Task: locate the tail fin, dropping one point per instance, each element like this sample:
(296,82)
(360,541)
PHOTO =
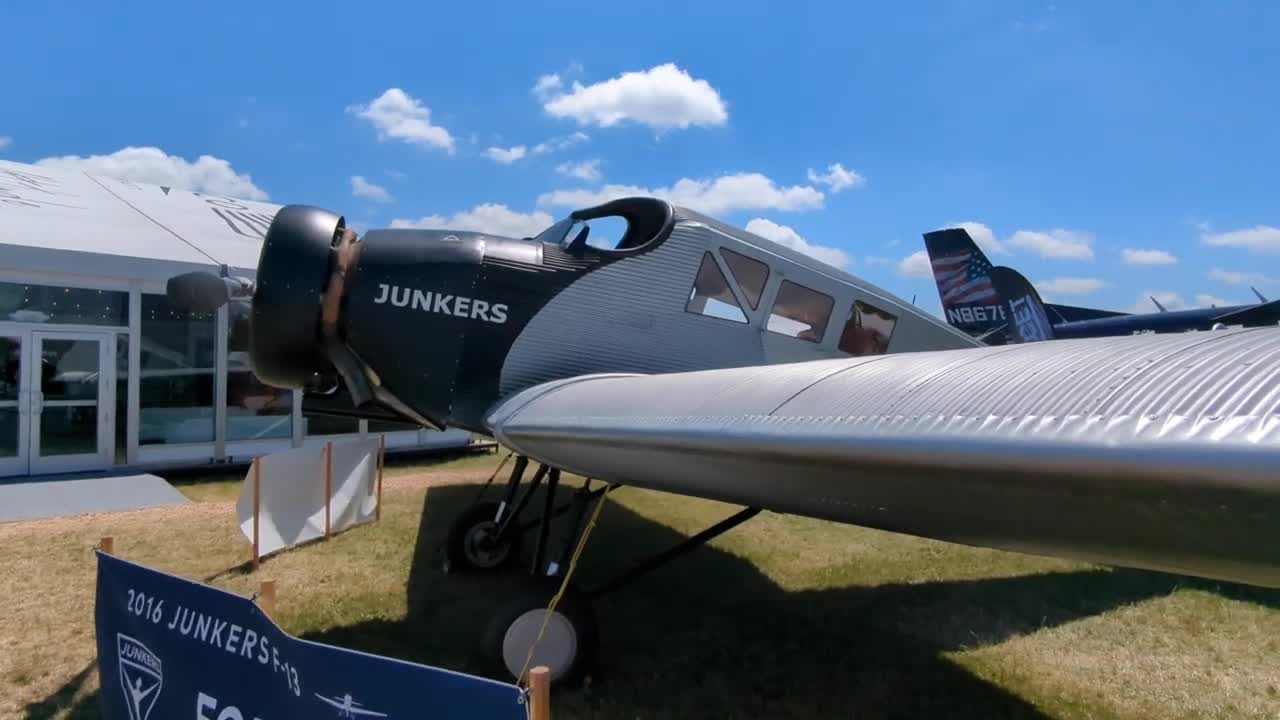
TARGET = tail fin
(963,275)
(1022,304)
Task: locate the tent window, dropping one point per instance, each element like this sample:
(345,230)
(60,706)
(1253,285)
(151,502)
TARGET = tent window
(750,273)
(800,312)
(867,330)
(711,294)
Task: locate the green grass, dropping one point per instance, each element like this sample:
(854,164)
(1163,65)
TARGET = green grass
(782,617)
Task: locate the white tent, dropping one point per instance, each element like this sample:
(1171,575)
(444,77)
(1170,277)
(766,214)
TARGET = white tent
(97,369)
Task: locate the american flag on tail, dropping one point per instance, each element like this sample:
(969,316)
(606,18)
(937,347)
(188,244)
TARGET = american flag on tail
(963,277)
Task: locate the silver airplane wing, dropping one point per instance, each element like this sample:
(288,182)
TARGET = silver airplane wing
(1151,451)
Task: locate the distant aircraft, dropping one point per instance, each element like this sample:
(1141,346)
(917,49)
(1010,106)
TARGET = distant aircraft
(349,708)
(973,302)
(691,357)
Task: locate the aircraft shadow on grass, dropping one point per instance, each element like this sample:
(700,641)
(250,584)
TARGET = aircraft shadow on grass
(710,636)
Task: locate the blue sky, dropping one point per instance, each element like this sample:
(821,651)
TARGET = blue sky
(1065,133)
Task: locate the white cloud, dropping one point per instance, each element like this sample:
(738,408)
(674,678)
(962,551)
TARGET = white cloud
(1056,244)
(742,191)
(154,166)
(547,86)
(837,178)
(1207,300)
(662,97)
(506,156)
(787,236)
(916,265)
(1134,256)
(982,236)
(1260,237)
(1067,285)
(490,218)
(5,141)
(1168,298)
(399,116)
(588,170)
(361,187)
(1234,277)
(562,142)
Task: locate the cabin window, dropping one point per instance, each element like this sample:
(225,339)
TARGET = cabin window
(867,330)
(711,294)
(800,312)
(750,273)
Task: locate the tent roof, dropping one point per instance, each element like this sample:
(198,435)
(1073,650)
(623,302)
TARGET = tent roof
(68,211)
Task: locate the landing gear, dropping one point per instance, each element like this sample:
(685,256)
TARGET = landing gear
(475,544)
(487,537)
(568,642)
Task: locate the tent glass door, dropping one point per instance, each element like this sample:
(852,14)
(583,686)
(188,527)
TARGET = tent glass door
(70,408)
(13,406)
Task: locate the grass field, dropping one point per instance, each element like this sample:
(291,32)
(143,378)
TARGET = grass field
(782,617)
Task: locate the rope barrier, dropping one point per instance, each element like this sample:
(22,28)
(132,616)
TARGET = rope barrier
(564,584)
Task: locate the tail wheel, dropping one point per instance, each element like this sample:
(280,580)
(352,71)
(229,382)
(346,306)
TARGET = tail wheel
(569,643)
(473,545)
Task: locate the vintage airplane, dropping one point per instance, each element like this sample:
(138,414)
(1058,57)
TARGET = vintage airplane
(692,357)
(973,302)
(348,708)
(688,357)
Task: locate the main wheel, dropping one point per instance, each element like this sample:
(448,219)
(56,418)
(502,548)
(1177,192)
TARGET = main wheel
(473,545)
(569,642)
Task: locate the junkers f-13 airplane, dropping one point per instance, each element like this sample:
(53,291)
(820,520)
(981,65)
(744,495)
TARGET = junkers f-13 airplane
(698,359)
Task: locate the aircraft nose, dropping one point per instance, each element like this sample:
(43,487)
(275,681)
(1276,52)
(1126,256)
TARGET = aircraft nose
(294,273)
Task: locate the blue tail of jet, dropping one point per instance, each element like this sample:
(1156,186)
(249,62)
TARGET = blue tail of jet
(963,275)
(1028,319)
(970,299)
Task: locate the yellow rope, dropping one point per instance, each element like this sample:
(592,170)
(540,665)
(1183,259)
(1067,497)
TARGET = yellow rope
(564,584)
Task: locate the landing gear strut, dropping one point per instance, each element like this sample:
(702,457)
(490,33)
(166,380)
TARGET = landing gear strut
(488,537)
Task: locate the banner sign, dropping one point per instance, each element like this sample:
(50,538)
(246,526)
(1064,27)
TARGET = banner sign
(169,648)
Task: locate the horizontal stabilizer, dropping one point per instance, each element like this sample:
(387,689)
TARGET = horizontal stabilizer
(1059,313)
(1150,451)
(1267,313)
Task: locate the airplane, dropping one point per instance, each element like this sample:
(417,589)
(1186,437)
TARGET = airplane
(348,707)
(695,358)
(611,364)
(973,303)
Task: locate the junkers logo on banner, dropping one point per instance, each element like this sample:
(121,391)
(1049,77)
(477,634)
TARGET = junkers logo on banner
(435,302)
(140,676)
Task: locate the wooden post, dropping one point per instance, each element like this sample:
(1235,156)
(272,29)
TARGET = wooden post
(382,451)
(257,507)
(108,545)
(267,597)
(540,693)
(328,483)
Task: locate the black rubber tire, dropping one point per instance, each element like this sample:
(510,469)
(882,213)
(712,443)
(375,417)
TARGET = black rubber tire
(575,607)
(460,555)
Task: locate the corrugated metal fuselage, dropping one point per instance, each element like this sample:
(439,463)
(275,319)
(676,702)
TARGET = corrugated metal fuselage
(573,311)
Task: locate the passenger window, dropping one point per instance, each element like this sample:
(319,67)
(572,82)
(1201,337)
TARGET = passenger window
(867,331)
(750,273)
(711,294)
(800,312)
